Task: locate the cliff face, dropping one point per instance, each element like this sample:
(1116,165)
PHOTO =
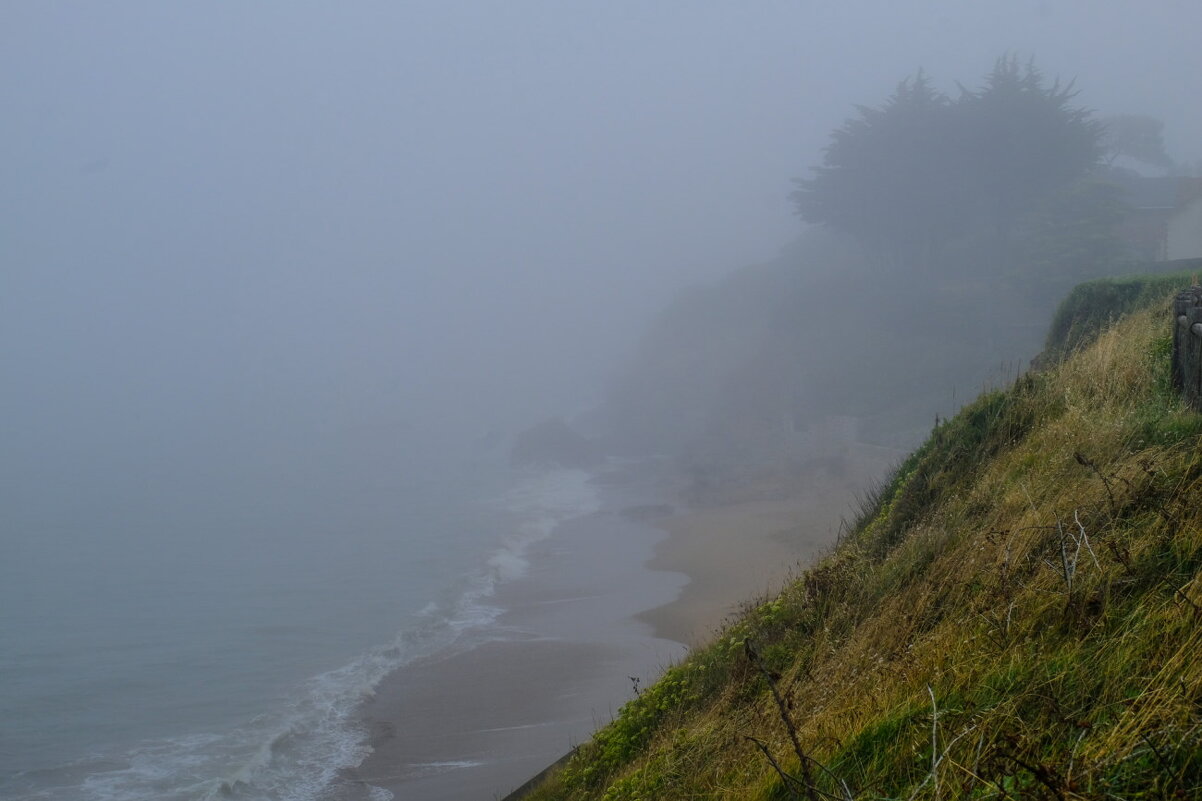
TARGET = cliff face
(747,373)
(1016,614)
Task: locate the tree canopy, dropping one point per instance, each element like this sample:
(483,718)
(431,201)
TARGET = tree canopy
(922,169)
(885,178)
(1136,137)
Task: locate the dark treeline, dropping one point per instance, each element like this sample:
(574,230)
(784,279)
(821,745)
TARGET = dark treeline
(1002,161)
(943,231)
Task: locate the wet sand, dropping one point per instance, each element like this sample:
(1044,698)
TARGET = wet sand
(745,548)
(489,718)
(608,597)
(480,721)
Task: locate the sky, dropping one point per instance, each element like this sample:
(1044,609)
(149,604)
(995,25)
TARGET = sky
(265,231)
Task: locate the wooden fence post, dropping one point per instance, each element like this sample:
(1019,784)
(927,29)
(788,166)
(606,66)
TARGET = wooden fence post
(1187,345)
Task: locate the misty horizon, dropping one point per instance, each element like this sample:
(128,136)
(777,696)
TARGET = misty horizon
(491,205)
(279,277)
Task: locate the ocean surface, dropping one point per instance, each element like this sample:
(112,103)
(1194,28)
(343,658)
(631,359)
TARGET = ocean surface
(186,654)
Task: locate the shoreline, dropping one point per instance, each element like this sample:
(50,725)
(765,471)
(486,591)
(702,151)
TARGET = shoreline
(480,719)
(727,572)
(738,551)
(610,597)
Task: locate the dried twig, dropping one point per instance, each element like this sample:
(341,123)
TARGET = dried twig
(793,781)
(1085,539)
(1164,763)
(1068,564)
(1030,500)
(804,760)
(1180,592)
(976,762)
(934,742)
(789,780)
(1068,774)
(936,756)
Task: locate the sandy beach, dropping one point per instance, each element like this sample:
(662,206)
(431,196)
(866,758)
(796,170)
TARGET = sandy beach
(490,717)
(479,721)
(745,547)
(610,598)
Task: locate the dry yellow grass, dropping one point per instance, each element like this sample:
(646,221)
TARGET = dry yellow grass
(1019,615)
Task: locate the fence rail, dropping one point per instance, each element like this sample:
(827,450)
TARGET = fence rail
(1187,345)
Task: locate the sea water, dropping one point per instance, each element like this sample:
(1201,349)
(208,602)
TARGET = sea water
(172,659)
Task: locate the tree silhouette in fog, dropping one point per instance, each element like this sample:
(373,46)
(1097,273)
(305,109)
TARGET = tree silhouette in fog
(921,170)
(1026,140)
(885,178)
(1137,137)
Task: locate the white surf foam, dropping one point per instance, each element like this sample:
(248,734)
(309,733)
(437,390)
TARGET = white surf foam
(300,752)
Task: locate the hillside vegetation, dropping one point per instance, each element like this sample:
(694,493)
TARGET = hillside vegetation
(1016,614)
(1093,305)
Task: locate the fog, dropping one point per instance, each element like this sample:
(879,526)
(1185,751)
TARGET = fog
(239,238)
(264,265)
(302,218)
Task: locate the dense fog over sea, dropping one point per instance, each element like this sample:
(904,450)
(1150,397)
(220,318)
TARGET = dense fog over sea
(245,234)
(280,281)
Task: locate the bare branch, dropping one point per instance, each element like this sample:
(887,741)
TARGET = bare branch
(934,742)
(804,760)
(789,781)
(1085,539)
(937,757)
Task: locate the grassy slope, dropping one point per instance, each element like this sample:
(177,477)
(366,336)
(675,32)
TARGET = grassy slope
(1093,305)
(1018,614)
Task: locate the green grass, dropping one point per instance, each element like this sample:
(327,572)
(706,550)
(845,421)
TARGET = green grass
(1090,307)
(965,640)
